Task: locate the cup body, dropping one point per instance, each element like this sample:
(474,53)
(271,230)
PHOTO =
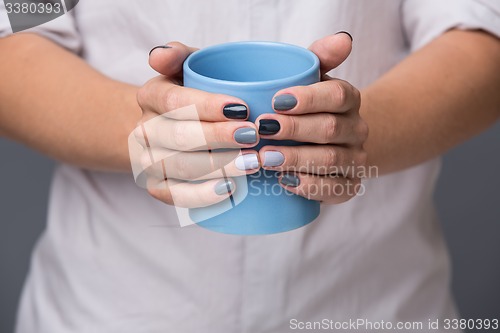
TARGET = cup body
(254,72)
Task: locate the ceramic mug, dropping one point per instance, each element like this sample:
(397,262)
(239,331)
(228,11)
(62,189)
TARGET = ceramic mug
(254,72)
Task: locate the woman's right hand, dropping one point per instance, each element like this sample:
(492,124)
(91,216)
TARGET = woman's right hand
(179,129)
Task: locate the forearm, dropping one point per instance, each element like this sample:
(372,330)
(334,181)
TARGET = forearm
(433,100)
(54,102)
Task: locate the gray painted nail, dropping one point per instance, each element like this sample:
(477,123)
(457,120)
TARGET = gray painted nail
(273,159)
(247,162)
(245,135)
(224,187)
(284,102)
(290,180)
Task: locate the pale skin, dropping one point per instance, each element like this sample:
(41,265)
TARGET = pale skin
(433,100)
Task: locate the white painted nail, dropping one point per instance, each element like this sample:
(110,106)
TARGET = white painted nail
(247,162)
(273,158)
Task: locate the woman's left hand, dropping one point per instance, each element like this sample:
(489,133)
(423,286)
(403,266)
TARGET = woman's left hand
(325,114)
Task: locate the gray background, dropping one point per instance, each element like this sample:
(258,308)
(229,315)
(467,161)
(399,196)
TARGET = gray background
(467,199)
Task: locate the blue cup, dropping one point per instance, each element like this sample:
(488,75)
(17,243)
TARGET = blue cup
(254,72)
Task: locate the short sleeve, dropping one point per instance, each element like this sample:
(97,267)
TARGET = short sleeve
(424,20)
(62,30)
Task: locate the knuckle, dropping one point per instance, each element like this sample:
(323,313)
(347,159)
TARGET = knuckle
(363,130)
(292,127)
(217,161)
(212,105)
(329,129)
(180,135)
(207,105)
(362,158)
(340,93)
(357,95)
(218,134)
(170,99)
(330,157)
(155,171)
(292,158)
(181,167)
(307,97)
(200,198)
(143,95)
(151,135)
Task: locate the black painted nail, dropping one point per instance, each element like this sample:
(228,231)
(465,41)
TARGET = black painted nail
(284,102)
(224,187)
(345,32)
(269,126)
(159,47)
(235,111)
(290,180)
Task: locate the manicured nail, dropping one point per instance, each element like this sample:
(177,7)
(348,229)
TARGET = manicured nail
(235,111)
(159,47)
(345,32)
(273,159)
(247,162)
(290,180)
(269,126)
(245,135)
(284,102)
(224,187)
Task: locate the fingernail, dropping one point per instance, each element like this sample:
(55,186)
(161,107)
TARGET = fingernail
(235,111)
(247,162)
(290,180)
(224,187)
(273,159)
(284,102)
(245,135)
(159,47)
(345,32)
(269,126)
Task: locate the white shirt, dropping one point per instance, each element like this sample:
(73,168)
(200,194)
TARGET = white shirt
(115,260)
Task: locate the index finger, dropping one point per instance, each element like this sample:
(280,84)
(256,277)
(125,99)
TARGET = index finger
(163,97)
(331,96)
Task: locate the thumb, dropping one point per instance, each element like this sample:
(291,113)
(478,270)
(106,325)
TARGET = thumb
(332,50)
(168,59)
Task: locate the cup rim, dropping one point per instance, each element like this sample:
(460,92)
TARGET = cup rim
(267,83)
